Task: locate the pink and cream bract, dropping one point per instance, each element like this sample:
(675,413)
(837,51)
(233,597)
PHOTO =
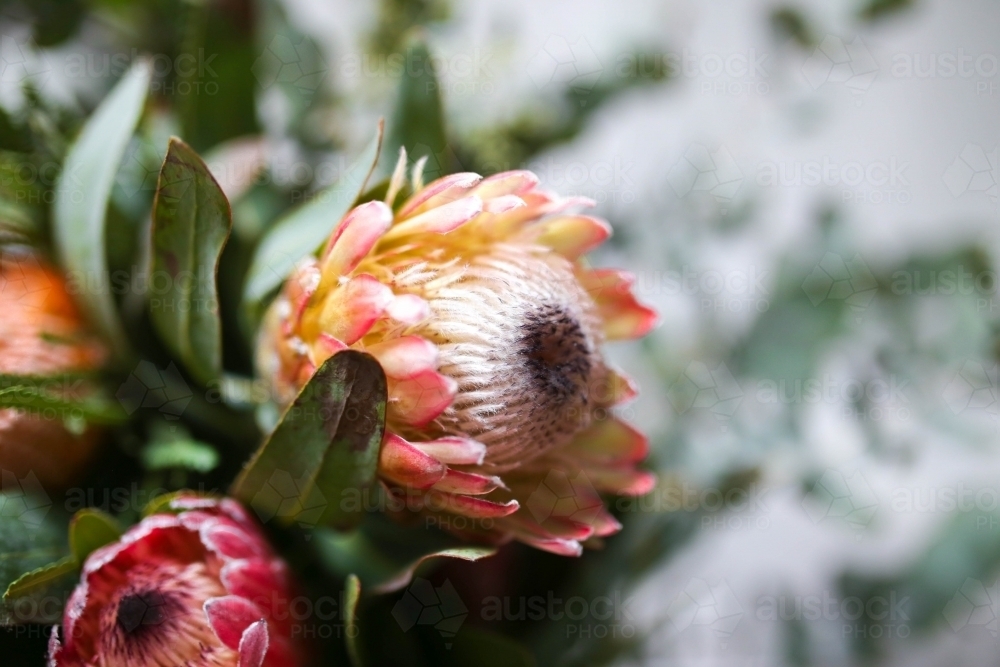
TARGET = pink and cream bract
(201,588)
(474,297)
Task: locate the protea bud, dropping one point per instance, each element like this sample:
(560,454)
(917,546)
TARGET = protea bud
(473,296)
(199,588)
(41,334)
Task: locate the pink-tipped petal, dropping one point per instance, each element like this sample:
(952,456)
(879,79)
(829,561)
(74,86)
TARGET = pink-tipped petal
(228,540)
(610,441)
(404,464)
(454,451)
(408,309)
(467,483)
(620,389)
(470,506)
(419,399)
(502,204)
(441,191)
(325,347)
(230,616)
(253,645)
(349,312)
(627,319)
(299,290)
(605,524)
(623,481)
(439,220)
(554,546)
(506,183)
(624,317)
(406,356)
(253,579)
(570,236)
(356,235)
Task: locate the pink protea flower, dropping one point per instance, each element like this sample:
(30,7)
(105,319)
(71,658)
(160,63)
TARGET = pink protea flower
(200,588)
(473,296)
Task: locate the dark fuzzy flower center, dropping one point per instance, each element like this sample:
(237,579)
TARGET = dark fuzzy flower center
(139,610)
(555,351)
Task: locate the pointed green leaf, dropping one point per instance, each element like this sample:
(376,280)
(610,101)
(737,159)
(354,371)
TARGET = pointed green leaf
(82,192)
(163,503)
(301,232)
(91,529)
(191,223)
(325,446)
(418,120)
(60,396)
(352,594)
(405,575)
(41,578)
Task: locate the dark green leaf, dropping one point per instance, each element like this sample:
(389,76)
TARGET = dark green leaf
(191,222)
(418,120)
(32,536)
(325,446)
(473,646)
(403,577)
(91,529)
(182,453)
(303,231)
(82,192)
(65,397)
(352,594)
(41,578)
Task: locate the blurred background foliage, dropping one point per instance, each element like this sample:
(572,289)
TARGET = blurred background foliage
(296,102)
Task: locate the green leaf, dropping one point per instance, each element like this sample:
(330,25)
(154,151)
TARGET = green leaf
(303,231)
(325,446)
(32,535)
(474,646)
(59,396)
(405,575)
(41,578)
(418,121)
(82,192)
(91,529)
(163,503)
(352,594)
(191,223)
(182,453)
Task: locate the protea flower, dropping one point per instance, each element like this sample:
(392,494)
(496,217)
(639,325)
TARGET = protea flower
(473,296)
(42,334)
(201,588)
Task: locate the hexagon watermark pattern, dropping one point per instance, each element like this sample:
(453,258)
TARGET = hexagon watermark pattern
(564,63)
(702,170)
(701,604)
(835,279)
(149,387)
(974,605)
(423,604)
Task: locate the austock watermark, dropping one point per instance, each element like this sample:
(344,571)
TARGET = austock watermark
(981,69)
(734,73)
(873,617)
(732,508)
(442,608)
(858,181)
(716,290)
(459,73)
